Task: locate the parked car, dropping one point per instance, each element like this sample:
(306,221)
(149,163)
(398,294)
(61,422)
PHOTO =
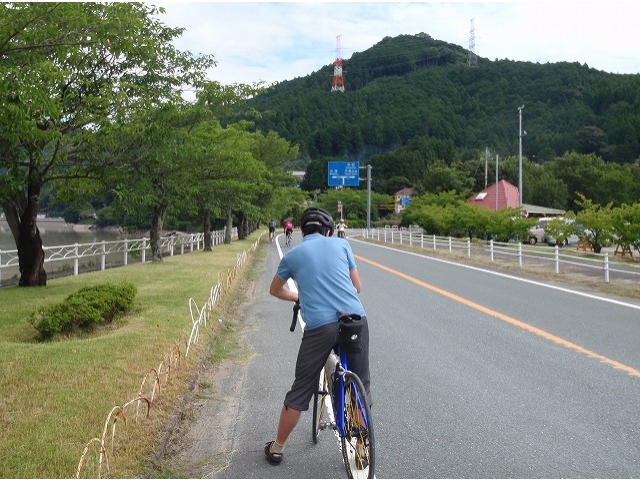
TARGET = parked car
(537,233)
(572,239)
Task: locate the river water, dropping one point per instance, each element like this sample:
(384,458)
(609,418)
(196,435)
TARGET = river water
(58,233)
(54,234)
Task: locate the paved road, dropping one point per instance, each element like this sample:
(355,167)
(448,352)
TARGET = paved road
(475,375)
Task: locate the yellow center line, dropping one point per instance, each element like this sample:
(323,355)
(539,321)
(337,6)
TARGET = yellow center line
(505,318)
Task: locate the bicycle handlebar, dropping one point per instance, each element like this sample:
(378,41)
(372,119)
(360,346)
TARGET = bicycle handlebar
(296,309)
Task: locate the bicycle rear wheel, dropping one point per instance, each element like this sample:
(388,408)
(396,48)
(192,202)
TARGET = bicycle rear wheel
(358,443)
(320,406)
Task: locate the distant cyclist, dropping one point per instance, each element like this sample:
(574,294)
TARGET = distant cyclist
(328,282)
(272,229)
(342,229)
(288,231)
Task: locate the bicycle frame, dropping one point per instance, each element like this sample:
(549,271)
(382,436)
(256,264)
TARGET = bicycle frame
(337,396)
(351,423)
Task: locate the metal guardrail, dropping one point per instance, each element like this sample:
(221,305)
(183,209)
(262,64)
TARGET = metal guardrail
(600,265)
(115,252)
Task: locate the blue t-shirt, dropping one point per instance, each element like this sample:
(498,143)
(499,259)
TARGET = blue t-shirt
(320,267)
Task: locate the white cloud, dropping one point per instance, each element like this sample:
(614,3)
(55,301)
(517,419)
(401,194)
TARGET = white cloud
(275,41)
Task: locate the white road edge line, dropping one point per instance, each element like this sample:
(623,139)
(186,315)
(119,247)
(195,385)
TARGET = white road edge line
(500,274)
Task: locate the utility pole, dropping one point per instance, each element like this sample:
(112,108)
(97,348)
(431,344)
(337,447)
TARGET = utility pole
(520,135)
(368,197)
(486,165)
(497,189)
(368,167)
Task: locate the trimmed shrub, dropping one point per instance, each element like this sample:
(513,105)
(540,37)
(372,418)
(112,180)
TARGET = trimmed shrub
(84,310)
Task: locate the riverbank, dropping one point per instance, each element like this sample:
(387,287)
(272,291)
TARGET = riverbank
(59,223)
(44,223)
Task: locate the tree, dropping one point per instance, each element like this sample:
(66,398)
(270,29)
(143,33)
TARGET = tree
(626,223)
(594,223)
(439,177)
(449,213)
(544,189)
(274,153)
(354,204)
(151,162)
(316,175)
(561,228)
(288,202)
(67,69)
(581,174)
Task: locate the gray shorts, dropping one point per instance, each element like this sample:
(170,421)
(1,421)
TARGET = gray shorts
(314,349)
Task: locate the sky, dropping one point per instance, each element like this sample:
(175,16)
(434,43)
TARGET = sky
(277,41)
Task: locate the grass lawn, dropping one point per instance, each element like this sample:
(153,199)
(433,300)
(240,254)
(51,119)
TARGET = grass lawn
(55,396)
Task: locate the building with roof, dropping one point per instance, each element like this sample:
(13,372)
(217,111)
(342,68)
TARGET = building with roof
(497,196)
(401,199)
(506,195)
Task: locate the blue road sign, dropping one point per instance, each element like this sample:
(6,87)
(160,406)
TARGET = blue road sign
(346,174)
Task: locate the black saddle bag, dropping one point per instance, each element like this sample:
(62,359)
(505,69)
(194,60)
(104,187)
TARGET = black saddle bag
(349,333)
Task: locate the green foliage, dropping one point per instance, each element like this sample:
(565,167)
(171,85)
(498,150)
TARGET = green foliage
(70,70)
(354,204)
(449,214)
(288,203)
(422,118)
(120,132)
(561,228)
(84,310)
(411,86)
(626,223)
(594,223)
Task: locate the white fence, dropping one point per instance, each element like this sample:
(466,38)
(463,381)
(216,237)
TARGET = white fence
(566,258)
(98,255)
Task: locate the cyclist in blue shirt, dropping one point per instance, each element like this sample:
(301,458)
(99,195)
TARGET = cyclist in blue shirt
(328,283)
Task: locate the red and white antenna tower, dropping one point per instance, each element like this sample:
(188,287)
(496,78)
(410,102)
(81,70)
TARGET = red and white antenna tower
(338,81)
(473,59)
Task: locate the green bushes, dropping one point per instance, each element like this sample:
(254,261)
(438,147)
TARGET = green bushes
(84,310)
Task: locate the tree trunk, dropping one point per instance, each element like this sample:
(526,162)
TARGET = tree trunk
(229,227)
(207,231)
(242,234)
(28,240)
(157,222)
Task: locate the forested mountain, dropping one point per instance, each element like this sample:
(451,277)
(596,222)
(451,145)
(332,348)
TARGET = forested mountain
(413,88)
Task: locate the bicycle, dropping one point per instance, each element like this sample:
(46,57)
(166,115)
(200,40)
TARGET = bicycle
(287,239)
(352,420)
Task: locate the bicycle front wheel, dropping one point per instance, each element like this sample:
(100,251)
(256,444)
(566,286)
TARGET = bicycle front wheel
(358,443)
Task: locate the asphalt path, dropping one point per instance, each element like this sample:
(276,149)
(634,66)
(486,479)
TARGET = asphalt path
(475,374)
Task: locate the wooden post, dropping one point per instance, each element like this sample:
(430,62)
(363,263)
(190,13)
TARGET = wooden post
(624,250)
